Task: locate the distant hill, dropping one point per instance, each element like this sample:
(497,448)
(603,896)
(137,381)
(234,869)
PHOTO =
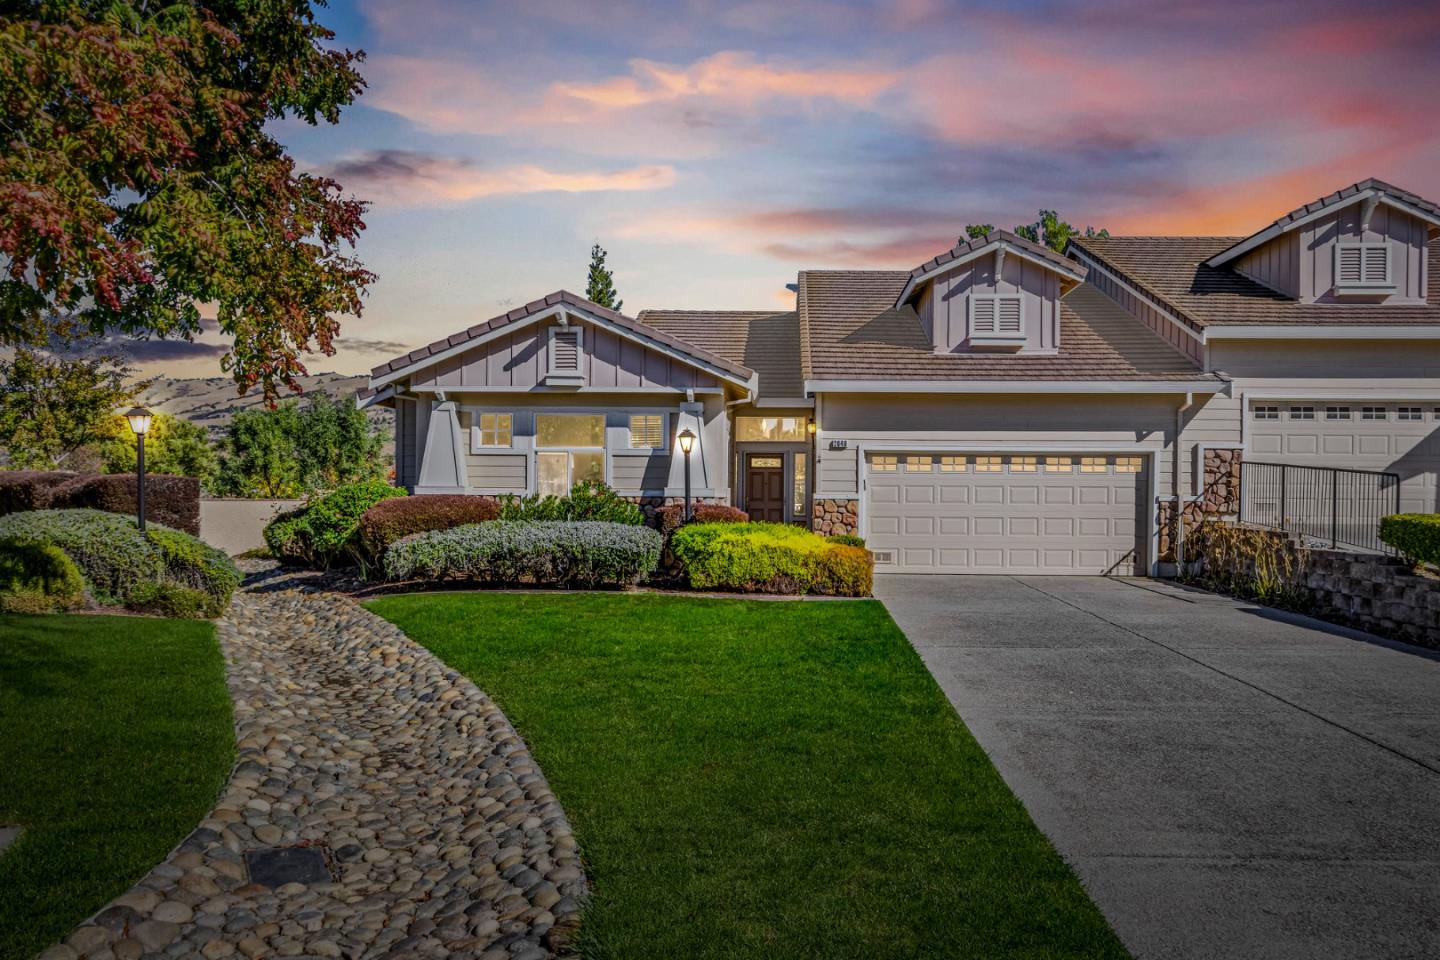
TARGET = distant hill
(212,403)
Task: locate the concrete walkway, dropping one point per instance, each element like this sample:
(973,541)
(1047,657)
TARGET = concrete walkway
(1229,781)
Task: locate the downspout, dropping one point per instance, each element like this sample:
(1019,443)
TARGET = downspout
(1175,482)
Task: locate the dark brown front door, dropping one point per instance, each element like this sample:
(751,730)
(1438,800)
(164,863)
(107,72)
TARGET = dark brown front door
(765,486)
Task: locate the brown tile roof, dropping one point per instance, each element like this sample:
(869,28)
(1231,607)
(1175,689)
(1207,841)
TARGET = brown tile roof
(1172,272)
(520,314)
(855,332)
(763,340)
(1061,263)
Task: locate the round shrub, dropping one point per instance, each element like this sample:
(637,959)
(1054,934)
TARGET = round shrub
(1415,535)
(769,558)
(37,577)
(325,531)
(563,553)
(670,518)
(117,560)
(171,600)
(195,565)
(389,520)
(587,500)
(848,539)
(107,547)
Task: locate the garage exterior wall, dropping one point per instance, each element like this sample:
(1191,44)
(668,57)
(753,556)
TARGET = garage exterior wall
(1337,370)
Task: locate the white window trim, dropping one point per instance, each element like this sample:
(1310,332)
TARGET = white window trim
(1366,285)
(476,446)
(579,375)
(665,434)
(995,336)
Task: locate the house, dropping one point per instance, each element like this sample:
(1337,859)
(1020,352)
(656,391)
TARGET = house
(1000,408)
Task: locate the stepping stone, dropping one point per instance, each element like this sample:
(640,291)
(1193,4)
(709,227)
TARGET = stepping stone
(276,866)
(9,835)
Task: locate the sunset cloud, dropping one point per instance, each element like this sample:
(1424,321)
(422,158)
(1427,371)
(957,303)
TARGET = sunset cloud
(409,179)
(734,76)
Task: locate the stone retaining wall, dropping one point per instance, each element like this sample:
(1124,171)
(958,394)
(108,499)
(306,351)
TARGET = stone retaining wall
(1368,591)
(1375,593)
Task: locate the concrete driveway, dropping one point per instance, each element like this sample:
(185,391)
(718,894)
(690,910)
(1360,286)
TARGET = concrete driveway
(1228,781)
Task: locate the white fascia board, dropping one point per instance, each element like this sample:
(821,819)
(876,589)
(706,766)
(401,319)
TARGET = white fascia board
(1184,327)
(1271,232)
(1009,249)
(802,403)
(1370,390)
(555,311)
(1015,386)
(1322,331)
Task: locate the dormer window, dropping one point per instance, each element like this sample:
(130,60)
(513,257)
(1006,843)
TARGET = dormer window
(997,319)
(566,357)
(1363,268)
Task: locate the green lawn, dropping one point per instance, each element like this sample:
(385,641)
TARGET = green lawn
(115,740)
(758,779)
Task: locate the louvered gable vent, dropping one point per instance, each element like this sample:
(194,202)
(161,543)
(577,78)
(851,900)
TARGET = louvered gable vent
(1362,268)
(567,352)
(997,319)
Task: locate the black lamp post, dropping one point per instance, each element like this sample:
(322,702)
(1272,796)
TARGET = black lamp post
(139,419)
(687,443)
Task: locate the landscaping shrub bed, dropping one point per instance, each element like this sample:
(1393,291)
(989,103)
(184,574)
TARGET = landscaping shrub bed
(560,553)
(325,532)
(769,558)
(587,500)
(37,577)
(120,565)
(671,518)
(170,501)
(389,520)
(1416,535)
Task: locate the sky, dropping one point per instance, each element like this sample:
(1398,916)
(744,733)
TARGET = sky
(714,149)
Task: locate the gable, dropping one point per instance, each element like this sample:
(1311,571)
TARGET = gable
(591,355)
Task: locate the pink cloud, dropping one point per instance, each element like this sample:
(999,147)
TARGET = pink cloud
(409,179)
(729,76)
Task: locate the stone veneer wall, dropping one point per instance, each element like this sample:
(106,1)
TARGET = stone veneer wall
(648,505)
(835,516)
(1219,496)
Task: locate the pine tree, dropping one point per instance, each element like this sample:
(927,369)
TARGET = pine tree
(600,287)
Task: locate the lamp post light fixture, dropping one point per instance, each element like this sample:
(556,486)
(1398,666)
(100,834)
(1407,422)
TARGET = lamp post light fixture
(687,443)
(139,419)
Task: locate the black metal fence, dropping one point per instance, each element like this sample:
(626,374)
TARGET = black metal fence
(1323,505)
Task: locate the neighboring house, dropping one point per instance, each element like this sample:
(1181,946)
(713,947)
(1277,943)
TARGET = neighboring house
(998,409)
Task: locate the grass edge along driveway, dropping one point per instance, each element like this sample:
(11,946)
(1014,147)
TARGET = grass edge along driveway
(115,740)
(757,779)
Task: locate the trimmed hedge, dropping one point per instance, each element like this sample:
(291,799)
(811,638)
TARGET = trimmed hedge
(22,490)
(769,558)
(1416,535)
(389,520)
(587,500)
(169,501)
(117,560)
(562,553)
(671,518)
(37,577)
(326,531)
(848,539)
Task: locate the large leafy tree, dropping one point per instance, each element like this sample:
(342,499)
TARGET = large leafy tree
(51,407)
(294,450)
(600,282)
(137,179)
(172,445)
(1048,229)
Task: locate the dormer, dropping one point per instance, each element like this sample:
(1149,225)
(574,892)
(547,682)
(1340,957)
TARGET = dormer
(1363,244)
(996,293)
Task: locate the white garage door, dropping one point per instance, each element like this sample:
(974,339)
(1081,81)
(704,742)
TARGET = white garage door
(941,513)
(1401,438)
